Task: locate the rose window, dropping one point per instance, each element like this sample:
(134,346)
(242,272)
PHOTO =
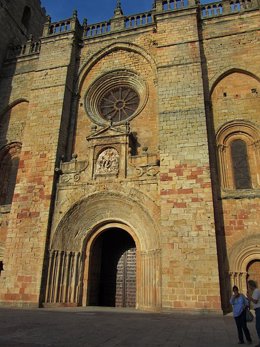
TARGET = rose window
(116,97)
(119,103)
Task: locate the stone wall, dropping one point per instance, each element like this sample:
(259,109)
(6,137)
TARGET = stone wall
(15,28)
(171,189)
(32,201)
(230,47)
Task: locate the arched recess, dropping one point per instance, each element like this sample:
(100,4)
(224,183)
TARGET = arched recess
(228,71)
(9,162)
(234,90)
(126,46)
(253,270)
(250,135)
(12,121)
(135,69)
(26,17)
(11,105)
(79,228)
(235,98)
(241,255)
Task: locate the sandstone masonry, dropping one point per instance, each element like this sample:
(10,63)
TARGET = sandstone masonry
(129,157)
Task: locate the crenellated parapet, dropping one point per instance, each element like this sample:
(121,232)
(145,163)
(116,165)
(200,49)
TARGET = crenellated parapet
(50,29)
(61,27)
(141,20)
(29,48)
(227,7)
(120,22)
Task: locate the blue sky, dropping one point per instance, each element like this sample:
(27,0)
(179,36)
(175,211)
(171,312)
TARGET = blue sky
(94,11)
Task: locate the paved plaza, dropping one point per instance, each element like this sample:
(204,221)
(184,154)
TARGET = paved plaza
(94,327)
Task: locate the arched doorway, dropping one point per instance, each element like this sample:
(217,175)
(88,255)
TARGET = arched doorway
(76,243)
(253,271)
(112,270)
(245,262)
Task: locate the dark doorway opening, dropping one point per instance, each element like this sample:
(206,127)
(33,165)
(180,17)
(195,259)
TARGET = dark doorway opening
(112,270)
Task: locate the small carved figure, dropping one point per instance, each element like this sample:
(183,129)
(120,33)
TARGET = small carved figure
(108,162)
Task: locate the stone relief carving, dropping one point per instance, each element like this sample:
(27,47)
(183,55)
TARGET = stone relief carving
(108,162)
(146,170)
(146,164)
(71,171)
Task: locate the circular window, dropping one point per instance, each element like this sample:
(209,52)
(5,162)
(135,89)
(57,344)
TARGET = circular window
(119,103)
(115,97)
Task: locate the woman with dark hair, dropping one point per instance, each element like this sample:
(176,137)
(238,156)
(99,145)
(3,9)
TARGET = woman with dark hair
(239,303)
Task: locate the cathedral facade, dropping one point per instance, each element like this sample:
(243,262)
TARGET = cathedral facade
(129,156)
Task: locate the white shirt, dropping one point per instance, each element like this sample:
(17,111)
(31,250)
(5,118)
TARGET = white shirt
(256,296)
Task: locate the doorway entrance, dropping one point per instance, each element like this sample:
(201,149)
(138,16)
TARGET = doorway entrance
(253,271)
(112,270)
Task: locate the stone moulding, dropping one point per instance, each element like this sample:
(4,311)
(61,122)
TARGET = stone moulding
(240,194)
(145,165)
(4,209)
(71,171)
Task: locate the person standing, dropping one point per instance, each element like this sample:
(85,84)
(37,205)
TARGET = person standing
(239,303)
(253,295)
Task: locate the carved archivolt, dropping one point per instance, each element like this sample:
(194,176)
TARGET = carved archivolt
(69,260)
(241,254)
(99,208)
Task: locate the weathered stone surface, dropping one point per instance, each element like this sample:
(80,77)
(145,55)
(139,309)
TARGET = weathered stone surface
(164,176)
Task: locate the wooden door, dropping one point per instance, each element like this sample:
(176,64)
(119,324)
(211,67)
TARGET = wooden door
(126,279)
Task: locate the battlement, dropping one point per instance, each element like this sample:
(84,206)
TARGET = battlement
(134,21)
(129,22)
(120,22)
(29,48)
(227,7)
